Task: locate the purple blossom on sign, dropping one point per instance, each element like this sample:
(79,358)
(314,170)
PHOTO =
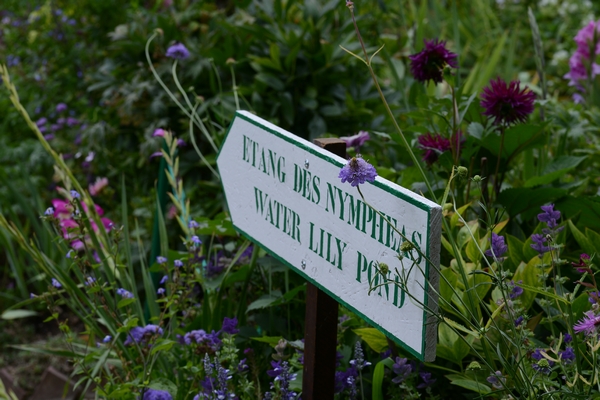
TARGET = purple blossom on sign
(357,171)
(154,394)
(507,103)
(498,247)
(433,146)
(549,216)
(589,324)
(538,243)
(356,141)
(430,62)
(230,326)
(178,51)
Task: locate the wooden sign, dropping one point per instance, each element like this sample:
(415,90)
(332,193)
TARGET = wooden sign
(284,193)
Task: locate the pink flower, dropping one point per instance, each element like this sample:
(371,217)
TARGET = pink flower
(588,324)
(159,132)
(97,186)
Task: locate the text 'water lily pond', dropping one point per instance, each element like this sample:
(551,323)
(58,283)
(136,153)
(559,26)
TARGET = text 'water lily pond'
(284,193)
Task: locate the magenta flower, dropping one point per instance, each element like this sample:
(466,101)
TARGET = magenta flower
(582,65)
(433,146)
(356,141)
(159,132)
(588,324)
(178,51)
(430,62)
(507,104)
(357,171)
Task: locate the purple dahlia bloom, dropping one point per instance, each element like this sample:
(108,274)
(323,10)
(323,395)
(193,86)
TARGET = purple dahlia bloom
(507,104)
(178,51)
(433,146)
(357,171)
(430,62)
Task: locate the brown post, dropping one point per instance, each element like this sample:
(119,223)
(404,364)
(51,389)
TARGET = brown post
(321,319)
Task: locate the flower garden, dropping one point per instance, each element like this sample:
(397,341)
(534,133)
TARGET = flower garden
(123,266)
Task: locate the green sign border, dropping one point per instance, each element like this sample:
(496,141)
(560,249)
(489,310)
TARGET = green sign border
(299,142)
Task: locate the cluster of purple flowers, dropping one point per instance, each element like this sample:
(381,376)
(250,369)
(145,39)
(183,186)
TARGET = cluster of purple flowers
(283,377)
(155,394)
(49,128)
(543,364)
(582,62)
(356,141)
(215,265)
(214,385)
(143,335)
(124,293)
(498,247)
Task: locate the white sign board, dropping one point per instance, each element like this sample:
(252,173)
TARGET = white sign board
(284,193)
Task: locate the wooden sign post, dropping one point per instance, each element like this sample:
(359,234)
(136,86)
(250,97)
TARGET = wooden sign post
(284,193)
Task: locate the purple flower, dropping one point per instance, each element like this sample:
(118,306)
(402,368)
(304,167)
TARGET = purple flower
(345,380)
(160,291)
(56,283)
(159,132)
(230,326)
(433,146)
(178,52)
(543,365)
(124,293)
(538,243)
(356,141)
(161,260)
(107,339)
(196,240)
(156,154)
(402,369)
(496,379)
(519,320)
(49,211)
(430,62)
(498,247)
(516,290)
(594,297)
(75,194)
(281,373)
(60,107)
(178,263)
(583,265)
(49,136)
(589,324)
(200,337)
(549,216)
(357,171)
(142,335)
(359,358)
(40,122)
(153,394)
(581,63)
(507,104)
(568,356)
(193,224)
(568,338)
(427,380)
(164,279)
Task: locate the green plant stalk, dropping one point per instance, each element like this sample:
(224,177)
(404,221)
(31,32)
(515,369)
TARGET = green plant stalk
(193,139)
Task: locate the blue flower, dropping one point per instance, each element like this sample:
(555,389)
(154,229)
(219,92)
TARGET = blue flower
(497,380)
(178,51)
(75,194)
(161,260)
(164,279)
(402,369)
(153,394)
(196,240)
(193,224)
(49,211)
(357,171)
(178,263)
(56,283)
(568,356)
(160,291)
(427,380)
(124,293)
(107,339)
(549,216)
(538,244)
(230,326)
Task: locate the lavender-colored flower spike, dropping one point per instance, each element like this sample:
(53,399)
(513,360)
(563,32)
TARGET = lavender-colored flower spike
(549,216)
(430,62)
(178,51)
(357,171)
(498,247)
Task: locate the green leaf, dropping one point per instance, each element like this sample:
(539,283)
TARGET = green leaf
(16,314)
(272,340)
(450,346)
(164,344)
(516,139)
(529,273)
(378,375)
(580,305)
(467,383)
(263,302)
(270,80)
(124,302)
(581,239)
(555,170)
(515,249)
(372,337)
